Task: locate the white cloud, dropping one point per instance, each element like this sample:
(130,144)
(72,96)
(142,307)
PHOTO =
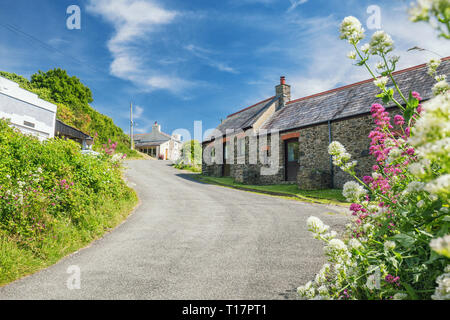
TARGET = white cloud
(295,4)
(134,21)
(138,112)
(325,57)
(204,54)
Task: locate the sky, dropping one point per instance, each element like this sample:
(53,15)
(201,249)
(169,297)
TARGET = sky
(182,61)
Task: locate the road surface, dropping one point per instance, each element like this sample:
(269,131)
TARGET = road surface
(189,240)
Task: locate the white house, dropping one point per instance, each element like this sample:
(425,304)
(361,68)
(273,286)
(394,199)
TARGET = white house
(159,144)
(26,111)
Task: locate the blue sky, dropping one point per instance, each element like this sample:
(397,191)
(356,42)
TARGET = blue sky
(181,61)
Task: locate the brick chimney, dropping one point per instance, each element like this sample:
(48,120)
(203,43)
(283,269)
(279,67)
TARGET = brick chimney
(283,91)
(156,127)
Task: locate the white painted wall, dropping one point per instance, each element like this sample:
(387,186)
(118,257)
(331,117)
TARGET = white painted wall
(24,108)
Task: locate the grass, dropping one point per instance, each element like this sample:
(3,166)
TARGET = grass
(194,169)
(18,260)
(327,196)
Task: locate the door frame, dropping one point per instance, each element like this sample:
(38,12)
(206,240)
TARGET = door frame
(226,167)
(286,142)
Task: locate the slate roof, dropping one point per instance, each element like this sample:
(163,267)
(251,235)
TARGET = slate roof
(351,100)
(154,138)
(347,101)
(62,129)
(245,118)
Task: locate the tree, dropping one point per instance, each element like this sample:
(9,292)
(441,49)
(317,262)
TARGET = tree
(191,153)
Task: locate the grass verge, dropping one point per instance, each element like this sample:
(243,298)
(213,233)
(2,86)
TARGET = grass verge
(18,260)
(194,169)
(327,196)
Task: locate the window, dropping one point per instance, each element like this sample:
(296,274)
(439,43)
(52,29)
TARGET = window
(226,152)
(213,152)
(29,124)
(241,147)
(293,150)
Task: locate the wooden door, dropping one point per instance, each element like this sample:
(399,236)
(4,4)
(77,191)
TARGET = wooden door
(291,148)
(226,171)
(167,153)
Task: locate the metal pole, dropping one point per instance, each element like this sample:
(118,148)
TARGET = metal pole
(330,139)
(131,127)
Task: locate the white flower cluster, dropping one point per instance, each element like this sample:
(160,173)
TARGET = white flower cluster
(381,43)
(307,290)
(432,65)
(400,296)
(420,12)
(353,191)
(394,154)
(316,226)
(351,29)
(431,133)
(443,289)
(118,157)
(414,186)
(439,186)
(441,86)
(351,55)
(341,157)
(381,82)
(354,244)
(441,245)
(330,278)
(389,245)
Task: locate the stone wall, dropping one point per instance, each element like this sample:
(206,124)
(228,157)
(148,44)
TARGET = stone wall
(314,161)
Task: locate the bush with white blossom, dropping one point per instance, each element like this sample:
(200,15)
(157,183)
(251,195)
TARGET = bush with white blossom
(397,245)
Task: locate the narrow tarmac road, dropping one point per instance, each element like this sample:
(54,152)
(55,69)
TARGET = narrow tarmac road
(189,240)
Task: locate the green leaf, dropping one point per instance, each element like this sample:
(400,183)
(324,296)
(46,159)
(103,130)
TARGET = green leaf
(404,240)
(411,291)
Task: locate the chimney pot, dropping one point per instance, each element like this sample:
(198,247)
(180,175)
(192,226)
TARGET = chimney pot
(282,80)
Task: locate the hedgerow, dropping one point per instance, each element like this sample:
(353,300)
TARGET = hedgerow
(54,199)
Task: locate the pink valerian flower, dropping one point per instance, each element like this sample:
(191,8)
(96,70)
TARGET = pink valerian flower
(407,131)
(416,95)
(367,180)
(355,208)
(392,280)
(419,109)
(380,115)
(399,120)
(410,151)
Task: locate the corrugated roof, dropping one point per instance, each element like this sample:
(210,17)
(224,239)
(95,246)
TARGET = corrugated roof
(351,100)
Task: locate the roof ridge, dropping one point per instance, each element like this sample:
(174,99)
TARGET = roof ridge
(361,82)
(254,105)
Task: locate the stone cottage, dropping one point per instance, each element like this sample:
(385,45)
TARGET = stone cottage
(159,144)
(280,140)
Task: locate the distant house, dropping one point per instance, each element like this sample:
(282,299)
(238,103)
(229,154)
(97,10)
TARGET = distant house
(26,111)
(32,115)
(159,144)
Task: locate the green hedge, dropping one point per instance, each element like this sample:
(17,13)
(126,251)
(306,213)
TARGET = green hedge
(53,200)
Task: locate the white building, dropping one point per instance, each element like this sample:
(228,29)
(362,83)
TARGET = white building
(26,111)
(159,144)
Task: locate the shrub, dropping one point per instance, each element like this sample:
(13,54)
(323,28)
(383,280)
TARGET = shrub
(49,188)
(403,206)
